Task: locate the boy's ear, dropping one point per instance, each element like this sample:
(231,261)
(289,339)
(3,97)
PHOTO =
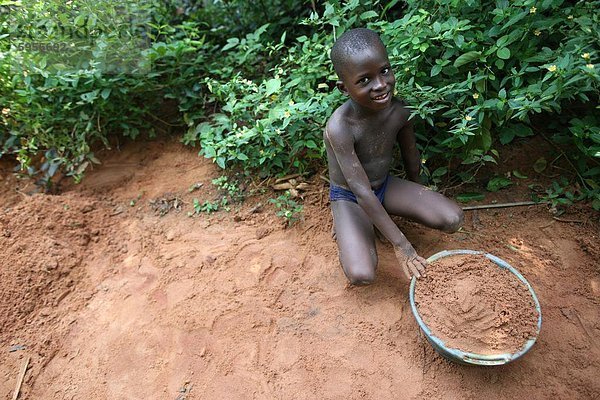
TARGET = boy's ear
(341,87)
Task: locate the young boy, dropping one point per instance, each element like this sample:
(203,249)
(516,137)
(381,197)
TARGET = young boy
(359,139)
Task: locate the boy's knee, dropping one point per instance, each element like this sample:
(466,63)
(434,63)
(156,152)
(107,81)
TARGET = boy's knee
(360,275)
(361,278)
(453,220)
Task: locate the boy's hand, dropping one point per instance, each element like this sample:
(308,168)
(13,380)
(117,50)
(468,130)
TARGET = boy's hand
(411,262)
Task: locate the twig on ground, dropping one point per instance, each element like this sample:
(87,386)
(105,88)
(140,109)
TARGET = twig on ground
(546,226)
(575,221)
(255,209)
(25,195)
(163,121)
(501,205)
(323,177)
(468,232)
(21,377)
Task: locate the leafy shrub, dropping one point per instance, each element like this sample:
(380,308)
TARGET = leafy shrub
(478,71)
(475,72)
(77,73)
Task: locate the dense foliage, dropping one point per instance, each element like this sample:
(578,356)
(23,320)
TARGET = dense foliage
(254,86)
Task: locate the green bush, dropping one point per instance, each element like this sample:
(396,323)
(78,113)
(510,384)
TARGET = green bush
(77,73)
(478,71)
(474,72)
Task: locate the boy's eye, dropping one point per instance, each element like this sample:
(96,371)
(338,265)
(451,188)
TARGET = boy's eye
(364,80)
(385,71)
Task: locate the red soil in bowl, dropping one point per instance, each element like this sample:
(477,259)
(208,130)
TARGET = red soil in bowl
(474,306)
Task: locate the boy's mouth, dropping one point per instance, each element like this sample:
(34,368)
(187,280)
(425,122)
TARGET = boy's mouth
(381,97)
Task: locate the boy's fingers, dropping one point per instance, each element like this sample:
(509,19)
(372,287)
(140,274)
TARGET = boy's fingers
(421,264)
(406,271)
(414,266)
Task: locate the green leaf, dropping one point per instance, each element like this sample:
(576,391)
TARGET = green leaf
(467,58)
(540,165)
(80,20)
(596,204)
(436,70)
(231,43)
(272,86)
(519,175)
(470,196)
(310,144)
(506,136)
(497,183)
(503,53)
(441,171)
(105,93)
(368,15)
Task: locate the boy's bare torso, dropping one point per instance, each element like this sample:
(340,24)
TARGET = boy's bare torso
(373,136)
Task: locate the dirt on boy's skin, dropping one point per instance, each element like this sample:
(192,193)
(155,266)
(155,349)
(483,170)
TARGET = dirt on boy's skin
(472,305)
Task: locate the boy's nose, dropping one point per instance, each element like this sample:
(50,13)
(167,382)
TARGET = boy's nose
(380,83)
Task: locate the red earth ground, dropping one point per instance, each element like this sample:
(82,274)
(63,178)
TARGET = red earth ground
(110,300)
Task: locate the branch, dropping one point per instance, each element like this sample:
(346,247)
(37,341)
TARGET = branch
(502,205)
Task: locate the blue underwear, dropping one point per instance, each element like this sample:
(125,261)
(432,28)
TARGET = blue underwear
(337,193)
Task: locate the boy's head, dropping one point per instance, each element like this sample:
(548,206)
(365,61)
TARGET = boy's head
(350,44)
(364,71)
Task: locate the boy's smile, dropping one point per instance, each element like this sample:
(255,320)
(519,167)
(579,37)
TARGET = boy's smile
(368,78)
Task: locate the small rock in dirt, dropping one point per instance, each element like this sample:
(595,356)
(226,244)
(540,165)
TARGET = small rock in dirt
(210,259)
(52,265)
(6,233)
(170,236)
(16,347)
(44,312)
(118,210)
(494,378)
(262,232)
(88,207)
(256,209)
(84,239)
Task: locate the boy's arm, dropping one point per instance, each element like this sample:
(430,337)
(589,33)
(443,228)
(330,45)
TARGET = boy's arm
(358,182)
(409,151)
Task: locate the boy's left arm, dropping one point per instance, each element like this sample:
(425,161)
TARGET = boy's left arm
(409,151)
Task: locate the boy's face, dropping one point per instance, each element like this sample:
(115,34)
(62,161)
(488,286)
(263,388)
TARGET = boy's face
(368,78)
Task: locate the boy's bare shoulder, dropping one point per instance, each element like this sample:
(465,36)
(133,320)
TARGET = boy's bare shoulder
(337,127)
(401,109)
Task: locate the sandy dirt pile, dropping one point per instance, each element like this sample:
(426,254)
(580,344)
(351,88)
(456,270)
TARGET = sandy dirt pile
(128,304)
(474,306)
(44,241)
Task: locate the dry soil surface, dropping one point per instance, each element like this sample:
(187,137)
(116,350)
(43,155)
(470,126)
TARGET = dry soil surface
(108,299)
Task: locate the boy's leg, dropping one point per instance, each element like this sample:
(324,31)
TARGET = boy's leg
(356,242)
(418,203)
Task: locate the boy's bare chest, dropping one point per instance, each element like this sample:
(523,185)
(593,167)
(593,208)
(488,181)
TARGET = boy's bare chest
(376,143)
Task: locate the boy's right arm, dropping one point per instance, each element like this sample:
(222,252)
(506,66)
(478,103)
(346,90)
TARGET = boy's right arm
(342,145)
